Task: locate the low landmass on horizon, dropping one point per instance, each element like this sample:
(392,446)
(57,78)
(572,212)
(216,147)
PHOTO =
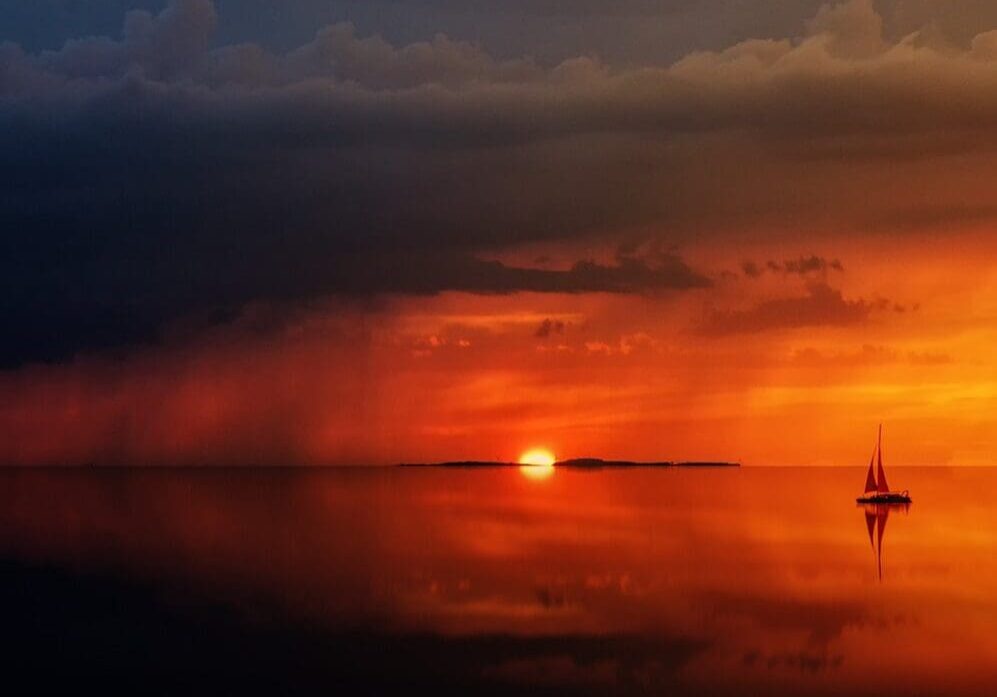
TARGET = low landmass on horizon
(573,463)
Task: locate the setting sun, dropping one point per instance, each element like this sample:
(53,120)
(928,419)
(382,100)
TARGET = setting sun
(537,463)
(538,457)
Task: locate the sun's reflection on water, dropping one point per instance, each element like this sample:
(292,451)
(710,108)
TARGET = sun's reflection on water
(537,472)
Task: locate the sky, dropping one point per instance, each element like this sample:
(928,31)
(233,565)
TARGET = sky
(265,232)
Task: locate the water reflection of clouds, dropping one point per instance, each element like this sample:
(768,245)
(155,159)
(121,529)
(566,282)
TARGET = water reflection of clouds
(804,661)
(709,562)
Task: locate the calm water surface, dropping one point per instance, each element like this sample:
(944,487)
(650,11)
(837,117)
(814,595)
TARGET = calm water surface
(380,581)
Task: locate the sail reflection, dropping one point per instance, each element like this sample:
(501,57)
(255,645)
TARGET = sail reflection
(876,516)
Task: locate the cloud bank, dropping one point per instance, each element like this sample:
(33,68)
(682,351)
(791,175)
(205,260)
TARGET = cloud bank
(158,174)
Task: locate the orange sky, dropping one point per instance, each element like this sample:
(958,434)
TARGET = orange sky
(651,376)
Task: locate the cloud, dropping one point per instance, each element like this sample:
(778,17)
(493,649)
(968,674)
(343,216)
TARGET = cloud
(811,264)
(803,266)
(425,274)
(751,269)
(548,327)
(850,29)
(868,355)
(169,46)
(363,87)
(821,306)
(374,63)
(159,174)
(49,329)
(929,217)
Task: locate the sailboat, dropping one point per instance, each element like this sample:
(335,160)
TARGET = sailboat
(876,488)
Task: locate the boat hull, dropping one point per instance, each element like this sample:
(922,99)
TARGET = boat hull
(891,497)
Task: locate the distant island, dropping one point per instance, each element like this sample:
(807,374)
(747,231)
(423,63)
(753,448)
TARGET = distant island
(574,463)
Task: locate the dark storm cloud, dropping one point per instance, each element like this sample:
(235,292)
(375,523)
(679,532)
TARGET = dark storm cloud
(433,273)
(752,269)
(802,266)
(161,173)
(342,87)
(627,31)
(821,306)
(921,217)
(632,30)
(811,264)
(548,327)
(122,308)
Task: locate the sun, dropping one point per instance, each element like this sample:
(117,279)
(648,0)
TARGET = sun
(538,457)
(537,463)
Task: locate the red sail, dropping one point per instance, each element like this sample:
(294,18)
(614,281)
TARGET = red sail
(883,486)
(870,479)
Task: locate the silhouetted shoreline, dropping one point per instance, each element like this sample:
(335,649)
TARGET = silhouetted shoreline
(574,463)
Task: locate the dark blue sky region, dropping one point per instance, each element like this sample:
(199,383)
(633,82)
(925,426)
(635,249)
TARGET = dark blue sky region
(624,31)
(552,29)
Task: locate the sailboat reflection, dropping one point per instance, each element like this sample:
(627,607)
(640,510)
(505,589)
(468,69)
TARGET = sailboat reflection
(876,515)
